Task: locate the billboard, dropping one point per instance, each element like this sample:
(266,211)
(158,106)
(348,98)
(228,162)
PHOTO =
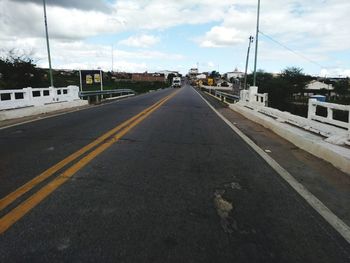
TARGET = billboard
(91,80)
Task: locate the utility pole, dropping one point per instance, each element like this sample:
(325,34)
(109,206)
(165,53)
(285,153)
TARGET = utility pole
(48,44)
(256,42)
(251,39)
(112,58)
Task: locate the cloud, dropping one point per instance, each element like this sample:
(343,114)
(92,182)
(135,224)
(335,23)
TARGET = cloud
(220,36)
(80,55)
(98,5)
(316,28)
(143,41)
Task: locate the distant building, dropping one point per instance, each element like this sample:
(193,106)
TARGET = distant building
(315,87)
(201,76)
(148,77)
(121,75)
(236,74)
(193,71)
(166,73)
(66,72)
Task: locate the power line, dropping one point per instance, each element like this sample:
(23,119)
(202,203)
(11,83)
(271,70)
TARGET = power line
(291,50)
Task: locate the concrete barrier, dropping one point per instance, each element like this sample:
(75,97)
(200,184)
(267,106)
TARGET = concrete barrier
(337,155)
(252,96)
(12,99)
(330,107)
(28,101)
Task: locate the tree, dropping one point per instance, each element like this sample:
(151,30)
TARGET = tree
(18,71)
(262,79)
(296,79)
(170,77)
(342,87)
(214,74)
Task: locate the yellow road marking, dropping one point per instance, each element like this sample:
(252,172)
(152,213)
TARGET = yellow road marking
(18,212)
(7,200)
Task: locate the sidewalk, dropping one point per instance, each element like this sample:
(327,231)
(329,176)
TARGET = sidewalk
(327,183)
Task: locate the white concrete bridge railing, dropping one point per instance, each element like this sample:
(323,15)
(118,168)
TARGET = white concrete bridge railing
(329,138)
(12,99)
(252,96)
(331,107)
(335,131)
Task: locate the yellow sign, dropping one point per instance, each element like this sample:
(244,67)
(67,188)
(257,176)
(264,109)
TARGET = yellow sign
(210,82)
(89,79)
(97,78)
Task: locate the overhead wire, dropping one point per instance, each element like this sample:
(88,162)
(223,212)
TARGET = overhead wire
(291,50)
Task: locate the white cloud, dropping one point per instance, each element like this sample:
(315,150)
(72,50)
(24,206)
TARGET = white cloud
(220,36)
(316,28)
(143,41)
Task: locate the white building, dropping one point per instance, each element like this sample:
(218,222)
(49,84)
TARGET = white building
(201,76)
(167,73)
(314,87)
(193,71)
(236,74)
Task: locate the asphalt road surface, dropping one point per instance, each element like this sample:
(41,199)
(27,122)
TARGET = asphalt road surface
(173,184)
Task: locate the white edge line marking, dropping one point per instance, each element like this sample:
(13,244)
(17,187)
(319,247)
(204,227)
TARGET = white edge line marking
(339,225)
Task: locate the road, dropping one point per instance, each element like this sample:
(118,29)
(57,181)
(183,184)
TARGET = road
(174,184)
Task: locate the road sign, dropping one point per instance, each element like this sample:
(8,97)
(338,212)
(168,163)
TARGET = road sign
(91,80)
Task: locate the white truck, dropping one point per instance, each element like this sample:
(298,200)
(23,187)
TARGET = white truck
(176,82)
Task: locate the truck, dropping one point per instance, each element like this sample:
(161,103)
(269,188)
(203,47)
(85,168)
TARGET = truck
(176,82)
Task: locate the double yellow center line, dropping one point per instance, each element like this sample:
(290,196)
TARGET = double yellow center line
(96,147)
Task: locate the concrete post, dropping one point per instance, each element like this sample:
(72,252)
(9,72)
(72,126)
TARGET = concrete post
(349,124)
(30,95)
(266,99)
(329,113)
(311,109)
(253,90)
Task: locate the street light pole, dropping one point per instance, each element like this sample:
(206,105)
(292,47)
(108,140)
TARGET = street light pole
(112,57)
(256,42)
(251,39)
(48,44)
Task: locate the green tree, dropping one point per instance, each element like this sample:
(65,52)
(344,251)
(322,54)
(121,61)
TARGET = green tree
(19,71)
(295,78)
(170,78)
(214,74)
(342,87)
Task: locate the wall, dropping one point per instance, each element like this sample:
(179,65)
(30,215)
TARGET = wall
(12,99)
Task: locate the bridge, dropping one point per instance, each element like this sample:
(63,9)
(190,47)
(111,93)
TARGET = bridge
(176,175)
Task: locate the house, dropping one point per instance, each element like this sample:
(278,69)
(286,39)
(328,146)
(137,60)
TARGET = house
(192,73)
(201,76)
(317,87)
(166,73)
(236,74)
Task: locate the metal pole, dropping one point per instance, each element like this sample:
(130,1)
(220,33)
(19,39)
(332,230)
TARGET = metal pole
(48,44)
(112,57)
(246,63)
(81,81)
(256,42)
(101,80)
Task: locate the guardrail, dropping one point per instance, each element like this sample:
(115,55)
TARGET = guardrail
(223,96)
(217,87)
(329,119)
(96,96)
(27,97)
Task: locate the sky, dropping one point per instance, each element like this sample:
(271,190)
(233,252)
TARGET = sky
(154,35)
